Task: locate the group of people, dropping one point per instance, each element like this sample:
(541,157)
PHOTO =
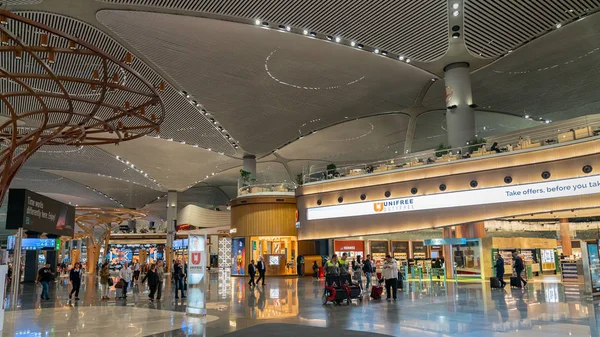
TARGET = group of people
(518,267)
(253,268)
(334,268)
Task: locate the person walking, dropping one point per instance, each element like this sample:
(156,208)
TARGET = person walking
(368,270)
(44,277)
(315,268)
(178,276)
(518,267)
(136,271)
(357,271)
(500,269)
(262,269)
(153,281)
(104,280)
(126,274)
(390,274)
(252,273)
(75,278)
(160,271)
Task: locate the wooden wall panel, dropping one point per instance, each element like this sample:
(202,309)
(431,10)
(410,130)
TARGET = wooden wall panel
(264,219)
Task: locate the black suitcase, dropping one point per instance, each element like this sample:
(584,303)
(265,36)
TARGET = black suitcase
(495,283)
(514,282)
(355,291)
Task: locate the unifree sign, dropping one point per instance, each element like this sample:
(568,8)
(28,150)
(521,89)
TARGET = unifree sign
(485,196)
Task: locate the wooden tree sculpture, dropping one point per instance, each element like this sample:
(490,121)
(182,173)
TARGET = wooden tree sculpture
(56,89)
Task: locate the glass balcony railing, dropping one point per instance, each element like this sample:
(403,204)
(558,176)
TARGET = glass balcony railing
(252,186)
(522,140)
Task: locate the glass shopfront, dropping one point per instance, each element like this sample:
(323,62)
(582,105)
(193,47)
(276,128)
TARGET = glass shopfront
(379,249)
(279,253)
(400,250)
(467,258)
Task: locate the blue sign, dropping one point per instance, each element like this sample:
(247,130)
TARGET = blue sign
(441,242)
(32,244)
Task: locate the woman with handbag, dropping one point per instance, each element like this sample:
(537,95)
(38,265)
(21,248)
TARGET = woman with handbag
(105,280)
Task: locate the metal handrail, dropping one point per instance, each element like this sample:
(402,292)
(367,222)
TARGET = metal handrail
(252,186)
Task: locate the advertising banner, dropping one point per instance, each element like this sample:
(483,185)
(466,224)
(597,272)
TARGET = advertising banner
(38,213)
(485,196)
(197,257)
(238,252)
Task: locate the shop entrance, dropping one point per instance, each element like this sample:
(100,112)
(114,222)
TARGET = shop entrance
(351,247)
(279,253)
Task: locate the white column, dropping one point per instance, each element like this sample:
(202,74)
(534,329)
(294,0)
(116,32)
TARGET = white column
(171,217)
(250,165)
(460,120)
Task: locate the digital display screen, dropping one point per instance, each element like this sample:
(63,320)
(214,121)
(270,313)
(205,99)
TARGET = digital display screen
(180,244)
(594,266)
(274,260)
(36,212)
(31,244)
(121,253)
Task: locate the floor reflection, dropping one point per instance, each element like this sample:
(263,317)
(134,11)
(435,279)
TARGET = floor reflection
(463,309)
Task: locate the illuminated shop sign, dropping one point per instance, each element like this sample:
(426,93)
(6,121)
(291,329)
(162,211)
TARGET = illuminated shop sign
(485,196)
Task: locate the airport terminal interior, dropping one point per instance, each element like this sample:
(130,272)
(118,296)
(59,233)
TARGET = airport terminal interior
(300,168)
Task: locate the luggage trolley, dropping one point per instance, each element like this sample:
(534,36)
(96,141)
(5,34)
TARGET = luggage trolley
(334,292)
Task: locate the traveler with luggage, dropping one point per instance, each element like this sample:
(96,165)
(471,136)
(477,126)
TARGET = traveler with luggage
(499,272)
(368,270)
(518,281)
(390,274)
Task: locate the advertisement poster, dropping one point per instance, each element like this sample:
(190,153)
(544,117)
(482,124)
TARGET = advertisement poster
(38,213)
(120,253)
(238,252)
(197,258)
(594,258)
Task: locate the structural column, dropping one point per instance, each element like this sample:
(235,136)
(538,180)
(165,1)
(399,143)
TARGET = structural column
(31,261)
(448,256)
(52,255)
(565,237)
(171,227)
(250,165)
(460,116)
(473,230)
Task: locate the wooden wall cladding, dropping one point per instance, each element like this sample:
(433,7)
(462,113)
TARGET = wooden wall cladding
(266,217)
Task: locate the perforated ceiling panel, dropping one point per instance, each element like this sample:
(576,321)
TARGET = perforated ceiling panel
(183,122)
(493,28)
(21,2)
(416,29)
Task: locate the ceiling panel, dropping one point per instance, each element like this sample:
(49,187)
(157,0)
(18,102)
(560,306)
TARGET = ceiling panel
(560,85)
(416,29)
(365,139)
(183,121)
(175,166)
(267,87)
(493,28)
(128,194)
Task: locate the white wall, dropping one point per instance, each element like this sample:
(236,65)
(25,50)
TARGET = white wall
(202,217)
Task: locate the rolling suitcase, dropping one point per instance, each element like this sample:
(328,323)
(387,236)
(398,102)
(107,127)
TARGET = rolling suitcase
(495,283)
(376,292)
(514,282)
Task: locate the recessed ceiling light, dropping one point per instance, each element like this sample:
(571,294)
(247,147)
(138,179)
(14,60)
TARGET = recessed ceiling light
(548,121)
(455,6)
(305,32)
(510,51)
(329,38)
(384,53)
(433,79)
(257,22)
(265,24)
(407,60)
(526,116)
(313,34)
(376,51)
(288,28)
(352,43)
(338,39)
(360,46)
(401,58)
(455,13)
(558,25)
(455,35)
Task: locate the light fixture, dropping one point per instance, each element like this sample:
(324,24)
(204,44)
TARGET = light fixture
(407,60)
(433,79)
(455,13)
(547,121)
(360,46)
(352,43)
(455,35)
(526,116)
(265,24)
(455,6)
(376,51)
(329,38)
(384,53)
(338,39)
(558,25)
(510,51)
(257,22)
(313,34)
(305,32)
(401,58)
(288,28)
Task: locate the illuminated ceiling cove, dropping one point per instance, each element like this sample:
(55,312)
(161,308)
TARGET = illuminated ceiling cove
(298,85)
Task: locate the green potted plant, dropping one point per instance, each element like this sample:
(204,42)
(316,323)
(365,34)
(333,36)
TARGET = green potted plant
(245,175)
(331,169)
(299,179)
(442,149)
(475,143)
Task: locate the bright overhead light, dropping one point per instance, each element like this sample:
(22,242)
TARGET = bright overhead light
(352,43)
(548,121)
(407,60)
(376,51)
(313,34)
(433,79)
(305,32)
(455,6)
(360,46)
(338,39)
(257,22)
(329,38)
(401,58)
(288,28)
(384,53)
(558,25)
(526,116)
(455,13)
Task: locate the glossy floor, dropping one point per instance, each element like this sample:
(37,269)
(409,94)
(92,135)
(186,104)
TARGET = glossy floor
(468,310)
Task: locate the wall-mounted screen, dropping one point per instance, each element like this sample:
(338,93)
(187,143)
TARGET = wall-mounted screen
(38,213)
(120,253)
(32,244)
